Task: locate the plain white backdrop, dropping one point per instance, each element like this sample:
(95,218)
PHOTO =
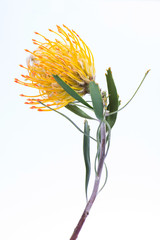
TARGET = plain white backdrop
(41,161)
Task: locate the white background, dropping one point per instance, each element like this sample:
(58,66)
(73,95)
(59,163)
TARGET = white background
(41,161)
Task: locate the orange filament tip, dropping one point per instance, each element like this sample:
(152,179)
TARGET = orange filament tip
(33,107)
(21,65)
(26,50)
(23,75)
(26,103)
(21,95)
(40,110)
(38,100)
(75,33)
(58,26)
(16,80)
(59,30)
(36,32)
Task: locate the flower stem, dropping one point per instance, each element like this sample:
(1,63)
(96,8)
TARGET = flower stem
(96,184)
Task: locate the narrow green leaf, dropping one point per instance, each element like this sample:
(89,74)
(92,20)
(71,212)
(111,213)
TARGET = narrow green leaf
(98,137)
(106,177)
(78,111)
(67,119)
(113,98)
(132,95)
(86,152)
(70,91)
(108,139)
(96,100)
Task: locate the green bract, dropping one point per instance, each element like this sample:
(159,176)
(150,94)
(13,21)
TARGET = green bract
(78,111)
(96,100)
(113,98)
(70,91)
(86,153)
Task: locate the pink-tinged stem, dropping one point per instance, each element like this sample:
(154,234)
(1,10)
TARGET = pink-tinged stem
(96,184)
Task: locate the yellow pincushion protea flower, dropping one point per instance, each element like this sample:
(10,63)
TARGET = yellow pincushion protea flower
(69,58)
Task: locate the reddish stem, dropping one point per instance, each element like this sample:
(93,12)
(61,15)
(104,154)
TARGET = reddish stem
(96,184)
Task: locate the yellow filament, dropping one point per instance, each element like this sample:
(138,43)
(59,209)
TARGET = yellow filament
(69,58)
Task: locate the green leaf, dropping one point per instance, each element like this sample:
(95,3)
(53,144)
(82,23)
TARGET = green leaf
(113,98)
(96,100)
(78,111)
(86,152)
(131,97)
(70,91)
(106,177)
(108,139)
(98,137)
(66,118)
(133,94)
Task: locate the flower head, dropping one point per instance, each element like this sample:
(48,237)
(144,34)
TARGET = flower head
(69,58)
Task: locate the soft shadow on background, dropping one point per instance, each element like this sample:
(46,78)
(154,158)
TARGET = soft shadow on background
(41,161)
